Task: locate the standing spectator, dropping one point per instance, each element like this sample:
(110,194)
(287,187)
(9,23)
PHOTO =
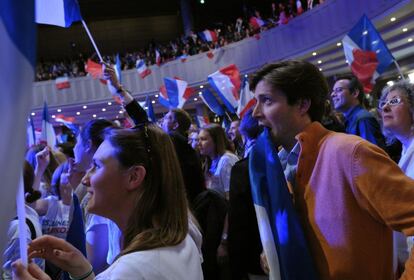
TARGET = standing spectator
(347,97)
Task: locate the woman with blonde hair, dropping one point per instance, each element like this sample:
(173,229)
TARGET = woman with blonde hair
(136,182)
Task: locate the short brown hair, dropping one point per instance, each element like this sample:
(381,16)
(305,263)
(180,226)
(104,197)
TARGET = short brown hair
(354,84)
(183,119)
(298,80)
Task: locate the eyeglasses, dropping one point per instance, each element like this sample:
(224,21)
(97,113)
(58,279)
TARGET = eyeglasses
(392,102)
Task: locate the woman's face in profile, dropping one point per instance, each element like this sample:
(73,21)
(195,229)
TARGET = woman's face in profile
(107,181)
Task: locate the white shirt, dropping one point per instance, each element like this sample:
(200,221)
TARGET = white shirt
(168,263)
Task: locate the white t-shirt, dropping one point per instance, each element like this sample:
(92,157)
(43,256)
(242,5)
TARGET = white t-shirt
(220,178)
(57,219)
(172,263)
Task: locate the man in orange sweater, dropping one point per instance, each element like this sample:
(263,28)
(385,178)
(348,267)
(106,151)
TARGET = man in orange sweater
(347,193)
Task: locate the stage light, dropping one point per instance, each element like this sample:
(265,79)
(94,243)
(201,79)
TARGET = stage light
(85,107)
(78,113)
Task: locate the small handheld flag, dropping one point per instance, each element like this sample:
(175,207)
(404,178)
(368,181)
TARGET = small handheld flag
(366,52)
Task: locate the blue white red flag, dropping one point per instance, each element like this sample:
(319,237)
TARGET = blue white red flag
(69,122)
(366,52)
(142,68)
(48,132)
(157,58)
(246,100)
(256,22)
(283,239)
(57,12)
(62,83)
(226,82)
(31,133)
(212,103)
(208,36)
(202,121)
(177,91)
(299,8)
(150,110)
(118,68)
(17,56)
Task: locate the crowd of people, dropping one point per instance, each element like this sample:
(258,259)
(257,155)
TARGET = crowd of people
(179,48)
(172,201)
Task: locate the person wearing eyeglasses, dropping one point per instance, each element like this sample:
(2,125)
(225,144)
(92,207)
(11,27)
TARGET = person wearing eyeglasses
(347,98)
(396,107)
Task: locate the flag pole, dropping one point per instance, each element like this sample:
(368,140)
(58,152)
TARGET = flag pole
(92,40)
(399,69)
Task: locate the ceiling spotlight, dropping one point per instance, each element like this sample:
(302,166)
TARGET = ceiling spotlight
(365,32)
(103,109)
(53,116)
(392,19)
(109,103)
(156,96)
(59,110)
(346,61)
(338,44)
(200,93)
(405,29)
(78,113)
(319,61)
(246,76)
(410,40)
(320,69)
(390,83)
(33,114)
(201,1)
(85,107)
(121,112)
(94,115)
(314,53)
(153,101)
(201,86)
(195,99)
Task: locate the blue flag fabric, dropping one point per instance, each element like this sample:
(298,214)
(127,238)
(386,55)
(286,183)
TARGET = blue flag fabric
(366,37)
(150,110)
(212,102)
(275,212)
(57,12)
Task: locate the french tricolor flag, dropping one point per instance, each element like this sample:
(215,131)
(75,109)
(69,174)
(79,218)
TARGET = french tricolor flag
(177,91)
(208,36)
(142,68)
(256,22)
(366,52)
(246,100)
(17,56)
(62,83)
(202,121)
(157,58)
(48,132)
(226,82)
(69,122)
(57,12)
